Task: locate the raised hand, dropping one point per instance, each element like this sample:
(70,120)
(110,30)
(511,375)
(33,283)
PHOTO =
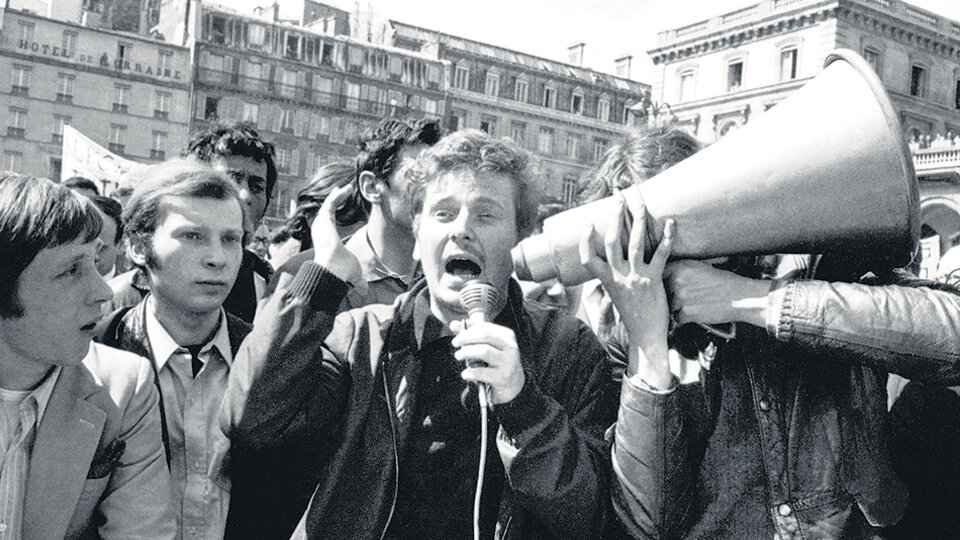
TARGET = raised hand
(636,289)
(329,250)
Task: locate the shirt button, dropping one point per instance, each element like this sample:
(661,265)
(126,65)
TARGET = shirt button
(192,530)
(764,405)
(784,510)
(196,465)
(3,527)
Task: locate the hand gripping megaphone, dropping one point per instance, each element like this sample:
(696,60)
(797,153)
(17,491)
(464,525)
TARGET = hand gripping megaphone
(825,171)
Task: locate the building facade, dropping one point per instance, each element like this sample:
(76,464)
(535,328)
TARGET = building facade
(311,93)
(715,74)
(567,115)
(128,93)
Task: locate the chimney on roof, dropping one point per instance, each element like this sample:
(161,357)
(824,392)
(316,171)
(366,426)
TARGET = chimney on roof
(623,66)
(576,53)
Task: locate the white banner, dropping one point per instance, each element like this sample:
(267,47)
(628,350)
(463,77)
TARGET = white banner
(83,157)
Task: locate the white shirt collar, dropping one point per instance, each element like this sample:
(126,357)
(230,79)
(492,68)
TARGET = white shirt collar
(164,346)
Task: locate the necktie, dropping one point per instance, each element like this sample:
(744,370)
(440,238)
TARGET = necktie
(195,361)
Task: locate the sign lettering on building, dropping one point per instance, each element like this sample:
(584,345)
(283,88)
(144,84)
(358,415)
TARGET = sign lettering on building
(101,60)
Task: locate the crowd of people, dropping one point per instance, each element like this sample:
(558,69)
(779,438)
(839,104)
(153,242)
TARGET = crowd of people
(169,369)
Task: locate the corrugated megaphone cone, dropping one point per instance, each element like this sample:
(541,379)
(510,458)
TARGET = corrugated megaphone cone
(825,171)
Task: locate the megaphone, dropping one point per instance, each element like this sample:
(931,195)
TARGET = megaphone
(825,171)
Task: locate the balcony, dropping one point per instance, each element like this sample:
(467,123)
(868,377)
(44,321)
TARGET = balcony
(158,154)
(56,138)
(64,98)
(116,148)
(161,115)
(120,108)
(19,91)
(16,132)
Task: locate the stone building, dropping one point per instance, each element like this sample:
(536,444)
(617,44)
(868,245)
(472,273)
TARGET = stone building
(124,91)
(715,74)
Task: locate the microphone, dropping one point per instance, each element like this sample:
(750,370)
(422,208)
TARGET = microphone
(479,298)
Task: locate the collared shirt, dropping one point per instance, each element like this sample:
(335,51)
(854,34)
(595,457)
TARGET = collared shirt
(20,414)
(383,285)
(198,448)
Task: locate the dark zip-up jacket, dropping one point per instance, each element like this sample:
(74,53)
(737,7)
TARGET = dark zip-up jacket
(349,381)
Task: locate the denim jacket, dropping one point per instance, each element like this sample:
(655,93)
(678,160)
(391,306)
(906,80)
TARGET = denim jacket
(827,468)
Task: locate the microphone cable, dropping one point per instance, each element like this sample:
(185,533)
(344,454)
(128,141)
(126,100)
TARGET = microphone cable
(484,406)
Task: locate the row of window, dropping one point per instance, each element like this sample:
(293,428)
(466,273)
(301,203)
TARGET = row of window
(17,128)
(545,142)
(68,46)
(786,71)
(66,86)
(521,93)
(316,50)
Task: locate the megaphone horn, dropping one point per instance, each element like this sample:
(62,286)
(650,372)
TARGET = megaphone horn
(825,171)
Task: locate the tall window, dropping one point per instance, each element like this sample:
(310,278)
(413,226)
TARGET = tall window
(603,109)
(734,75)
(569,190)
(599,148)
(65,86)
(488,125)
(162,109)
(520,91)
(283,159)
(686,85)
(518,132)
(956,96)
(251,112)
(18,123)
(123,52)
(121,98)
(286,121)
(918,81)
(788,64)
(158,145)
(12,161)
(461,78)
(545,141)
(549,97)
(25,31)
(118,138)
(574,142)
(576,103)
(211,108)
(164,61)
(255,35)
(872,56)
(69,43)
(493,85)
(59,122)
(353,96)
(21,80)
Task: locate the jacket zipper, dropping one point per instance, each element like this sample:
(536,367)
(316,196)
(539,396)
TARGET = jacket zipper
(396,454)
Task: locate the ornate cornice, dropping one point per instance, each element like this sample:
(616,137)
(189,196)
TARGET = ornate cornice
(890,27)
(737,36)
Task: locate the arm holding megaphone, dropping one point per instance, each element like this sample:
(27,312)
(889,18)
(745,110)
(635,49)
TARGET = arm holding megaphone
(702,294)
(636,288)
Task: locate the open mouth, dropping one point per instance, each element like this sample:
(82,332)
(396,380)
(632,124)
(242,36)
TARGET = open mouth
(463,268)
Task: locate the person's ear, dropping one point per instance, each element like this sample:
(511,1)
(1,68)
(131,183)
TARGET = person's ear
(371,187)
(137,249)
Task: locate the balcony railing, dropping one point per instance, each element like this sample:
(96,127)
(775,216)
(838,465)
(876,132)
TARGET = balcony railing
(116,148)
(65,98)
(19,90)
(303,93)
(158,154)
(56,138)
(926,159)
(120,108)
(16,132)
(161,115)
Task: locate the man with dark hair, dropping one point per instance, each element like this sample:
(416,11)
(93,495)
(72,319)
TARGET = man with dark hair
(185,225)
(385,244)
(110,235)
(82,185)
(238,150)
(389,388)
(79,426)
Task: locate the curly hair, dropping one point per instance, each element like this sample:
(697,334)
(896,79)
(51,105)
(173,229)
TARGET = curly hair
(479,152)
(381,147)
(233,139)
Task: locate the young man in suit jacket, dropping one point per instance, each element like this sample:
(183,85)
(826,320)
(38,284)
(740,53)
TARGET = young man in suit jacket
(185,224)
(80,448)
